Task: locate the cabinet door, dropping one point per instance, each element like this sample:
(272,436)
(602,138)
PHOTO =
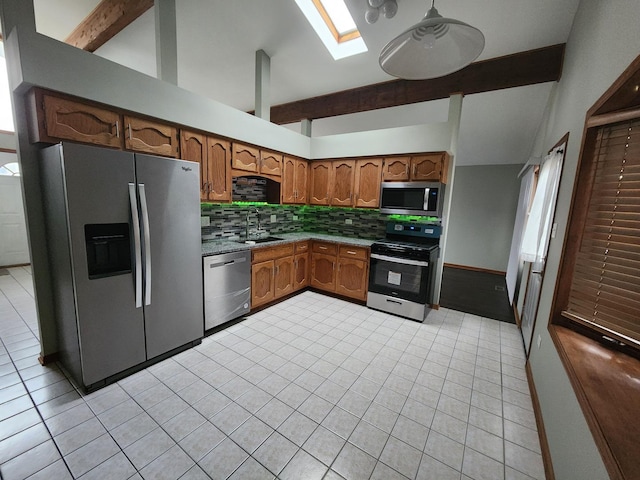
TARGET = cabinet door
(301,181)
(321,179)
(300,271)
(193,147)
(66,119)
(396,169)
(367,189)
(343,175)
(426,167)
(245,158)
(288,185)
(270,163)
(150,137)
(323,271)
(283,276)
(352,278)
(262,283)
(219,169)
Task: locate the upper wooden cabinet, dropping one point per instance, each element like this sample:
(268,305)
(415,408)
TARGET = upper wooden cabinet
(213,155)
(430,167)
(346,183)
(321,182)
(53,119)
(367,182)
(219,169)
(342,185)
(151,137)
(295,175)
(250,159)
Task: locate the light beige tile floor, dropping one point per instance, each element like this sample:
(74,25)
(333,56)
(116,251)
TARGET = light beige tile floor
(311,388)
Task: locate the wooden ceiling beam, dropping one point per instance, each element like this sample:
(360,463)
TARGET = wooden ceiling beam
(517,70)
(105,21)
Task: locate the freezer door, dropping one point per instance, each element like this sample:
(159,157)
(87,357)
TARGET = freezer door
(110,327)
(170,205)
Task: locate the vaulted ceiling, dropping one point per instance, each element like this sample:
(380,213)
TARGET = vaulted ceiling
(217,41)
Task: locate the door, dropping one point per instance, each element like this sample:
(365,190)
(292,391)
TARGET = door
(14,247)
(171,251)
(262,283)
(352,278)
(283,276)
(288,185)
(426,167)
(219,169)
(110,327)
(301,178)
(399,277)
(396,169)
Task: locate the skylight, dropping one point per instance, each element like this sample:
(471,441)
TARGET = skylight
(334,25)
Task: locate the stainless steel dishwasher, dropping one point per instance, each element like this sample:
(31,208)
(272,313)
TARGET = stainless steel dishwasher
(227,287)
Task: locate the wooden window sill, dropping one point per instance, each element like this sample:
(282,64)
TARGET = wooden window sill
(607,385)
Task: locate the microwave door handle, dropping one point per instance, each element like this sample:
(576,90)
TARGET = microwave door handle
(135,222)
(425,205)
(147,244)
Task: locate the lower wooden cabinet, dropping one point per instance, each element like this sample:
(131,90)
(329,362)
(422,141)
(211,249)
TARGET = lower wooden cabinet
(341,269)
(301,265)
(283,276)
(262,283)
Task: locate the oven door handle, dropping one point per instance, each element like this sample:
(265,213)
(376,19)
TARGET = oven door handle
(405,261)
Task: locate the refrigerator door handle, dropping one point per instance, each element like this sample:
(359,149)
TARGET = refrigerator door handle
(135,221)
(147,244)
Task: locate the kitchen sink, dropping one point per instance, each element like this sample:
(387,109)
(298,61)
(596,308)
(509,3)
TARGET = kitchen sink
(262,240)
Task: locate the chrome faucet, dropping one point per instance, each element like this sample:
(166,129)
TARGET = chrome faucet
(259,224)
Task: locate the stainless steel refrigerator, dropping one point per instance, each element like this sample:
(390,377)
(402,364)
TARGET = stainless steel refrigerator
(125,254)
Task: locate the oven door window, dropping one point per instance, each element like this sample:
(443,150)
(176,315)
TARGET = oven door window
(408,282)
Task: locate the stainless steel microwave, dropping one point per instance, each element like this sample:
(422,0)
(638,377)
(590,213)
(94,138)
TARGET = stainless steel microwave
(412,198)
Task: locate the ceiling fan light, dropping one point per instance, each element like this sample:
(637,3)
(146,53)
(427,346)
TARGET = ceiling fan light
(372,15)
(432,48)
(375,3)
(390,8)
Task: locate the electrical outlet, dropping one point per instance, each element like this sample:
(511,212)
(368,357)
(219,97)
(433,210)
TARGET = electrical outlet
(539,340)
(348,221)
(295,217)
(205,221)
(273,218)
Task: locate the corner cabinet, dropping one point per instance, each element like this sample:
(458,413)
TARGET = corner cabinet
(213,155)
(428,167)
(295,175)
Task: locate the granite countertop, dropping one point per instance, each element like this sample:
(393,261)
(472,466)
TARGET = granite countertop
(216,247)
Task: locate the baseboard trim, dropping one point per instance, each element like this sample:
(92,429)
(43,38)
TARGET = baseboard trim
(516,315)
(16,265)
(48,359)
(542,435)
(475,269)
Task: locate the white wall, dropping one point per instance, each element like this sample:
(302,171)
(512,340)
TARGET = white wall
(483,209)
(605,38)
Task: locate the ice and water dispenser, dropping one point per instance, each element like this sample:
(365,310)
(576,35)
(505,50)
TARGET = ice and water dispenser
(108,249)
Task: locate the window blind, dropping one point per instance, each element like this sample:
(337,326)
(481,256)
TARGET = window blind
(605,288)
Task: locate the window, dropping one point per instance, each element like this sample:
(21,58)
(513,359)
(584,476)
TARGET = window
(10,169)
(334,25)
(598,289)
(605,288)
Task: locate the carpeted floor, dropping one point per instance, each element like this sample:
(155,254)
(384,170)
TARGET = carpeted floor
(480,293)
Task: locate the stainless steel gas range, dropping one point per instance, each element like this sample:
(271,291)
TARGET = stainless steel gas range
(402,269)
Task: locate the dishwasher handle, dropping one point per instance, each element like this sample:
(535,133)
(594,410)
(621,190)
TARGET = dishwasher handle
(224,263)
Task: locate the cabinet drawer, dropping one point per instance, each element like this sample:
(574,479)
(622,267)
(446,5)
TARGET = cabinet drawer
(325,247)
(271,253)
(349,251)
(301,247)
